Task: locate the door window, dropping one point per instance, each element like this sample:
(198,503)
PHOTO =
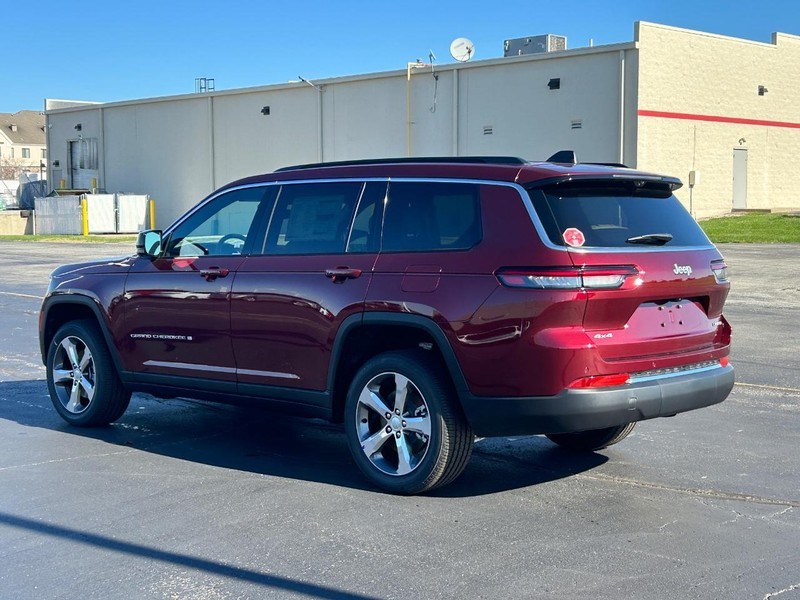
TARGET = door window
(223,226)
(312,218)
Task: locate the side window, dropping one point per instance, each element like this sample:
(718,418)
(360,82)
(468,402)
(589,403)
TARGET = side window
(429,216)
(312,218)
(221,227)
(365,235)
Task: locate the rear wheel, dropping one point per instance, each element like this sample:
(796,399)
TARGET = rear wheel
(594,439)
(83,383)
(404,426)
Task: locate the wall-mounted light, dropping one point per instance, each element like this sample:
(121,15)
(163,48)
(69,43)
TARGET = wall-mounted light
(762,90)
(265,111)
(555,83)
(78,127)
(742,141)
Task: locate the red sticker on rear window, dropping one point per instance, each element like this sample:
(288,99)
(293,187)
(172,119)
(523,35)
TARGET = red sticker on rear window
(574,236)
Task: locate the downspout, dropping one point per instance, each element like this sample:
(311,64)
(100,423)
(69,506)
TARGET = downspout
(211,151)
(103,149)
(48,150)
(455,111)
(321,153)
(621,107)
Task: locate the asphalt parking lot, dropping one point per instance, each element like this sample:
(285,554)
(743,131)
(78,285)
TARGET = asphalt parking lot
(188,500)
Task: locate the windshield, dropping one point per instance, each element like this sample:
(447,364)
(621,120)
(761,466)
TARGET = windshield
(614,214)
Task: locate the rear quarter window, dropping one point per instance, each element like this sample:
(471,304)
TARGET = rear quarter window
(611,215)
(431,216)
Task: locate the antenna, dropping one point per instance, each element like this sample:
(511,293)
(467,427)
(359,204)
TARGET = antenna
(462,49)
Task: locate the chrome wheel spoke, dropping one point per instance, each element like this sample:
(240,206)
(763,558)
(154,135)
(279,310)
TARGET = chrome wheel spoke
(375,442)
(74,404)
(71,351)
(420,425)
(400,394)
(403,456)
(372,400)
(61,375)
(88,388)
(86,360)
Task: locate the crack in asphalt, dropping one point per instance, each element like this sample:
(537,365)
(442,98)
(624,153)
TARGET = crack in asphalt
(796,586)
(703,493)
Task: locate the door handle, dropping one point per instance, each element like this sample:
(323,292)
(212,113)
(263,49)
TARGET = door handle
(212,273)
(339,274)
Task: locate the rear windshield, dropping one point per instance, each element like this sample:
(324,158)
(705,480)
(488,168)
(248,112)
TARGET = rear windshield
(615,214)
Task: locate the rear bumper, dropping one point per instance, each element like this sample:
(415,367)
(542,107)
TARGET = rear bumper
(582,409)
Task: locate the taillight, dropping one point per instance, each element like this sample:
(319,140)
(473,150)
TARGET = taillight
(568,278)
(600,381)
(720,270)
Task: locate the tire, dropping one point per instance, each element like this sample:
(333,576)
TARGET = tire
(594,439)
(409,445)
(84,385)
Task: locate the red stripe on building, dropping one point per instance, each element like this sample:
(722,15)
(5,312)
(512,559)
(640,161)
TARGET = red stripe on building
(716,119)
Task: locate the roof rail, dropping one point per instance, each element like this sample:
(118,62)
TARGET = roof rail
(487,160)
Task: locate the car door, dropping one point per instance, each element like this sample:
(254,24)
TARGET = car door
(312,272)
(177,306)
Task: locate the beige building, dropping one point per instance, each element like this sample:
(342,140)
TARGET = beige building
(22,143)
(719,111)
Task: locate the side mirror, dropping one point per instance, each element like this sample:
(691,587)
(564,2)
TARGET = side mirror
(149,243)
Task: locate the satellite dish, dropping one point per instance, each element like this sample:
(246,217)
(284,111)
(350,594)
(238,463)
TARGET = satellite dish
(462,49)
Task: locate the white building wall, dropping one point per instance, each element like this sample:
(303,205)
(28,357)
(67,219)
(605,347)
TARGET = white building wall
(162,149)
(709,84)
(247,142)
(180,149)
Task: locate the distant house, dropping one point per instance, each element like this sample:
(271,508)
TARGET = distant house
(22,143)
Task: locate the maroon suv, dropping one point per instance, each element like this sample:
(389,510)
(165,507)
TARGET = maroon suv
(421,302)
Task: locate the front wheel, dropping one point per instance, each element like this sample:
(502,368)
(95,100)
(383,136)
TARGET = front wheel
(404,426)
(594,439)
(83,383)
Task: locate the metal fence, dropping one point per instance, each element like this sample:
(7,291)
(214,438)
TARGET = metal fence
(105,213)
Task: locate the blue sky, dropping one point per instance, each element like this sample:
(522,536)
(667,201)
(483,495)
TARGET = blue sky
(118,50)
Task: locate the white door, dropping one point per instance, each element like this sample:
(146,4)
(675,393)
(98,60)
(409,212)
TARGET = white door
(739,178)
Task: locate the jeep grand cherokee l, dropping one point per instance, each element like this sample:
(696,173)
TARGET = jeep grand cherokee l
(420,302)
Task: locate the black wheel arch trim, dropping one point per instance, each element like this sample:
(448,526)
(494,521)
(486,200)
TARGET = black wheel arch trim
(94,305)
(407,320)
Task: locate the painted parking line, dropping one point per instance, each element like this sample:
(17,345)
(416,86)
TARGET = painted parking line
(21,295)
(768,387)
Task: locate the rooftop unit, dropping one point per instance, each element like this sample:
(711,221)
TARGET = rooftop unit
(536,44)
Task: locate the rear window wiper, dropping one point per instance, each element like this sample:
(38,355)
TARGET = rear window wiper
(654,239)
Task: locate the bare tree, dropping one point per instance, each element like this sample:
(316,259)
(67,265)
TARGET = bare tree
(12,168)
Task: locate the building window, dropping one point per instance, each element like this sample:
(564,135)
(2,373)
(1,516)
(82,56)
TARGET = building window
(12,151)
(44,153)
(26,153)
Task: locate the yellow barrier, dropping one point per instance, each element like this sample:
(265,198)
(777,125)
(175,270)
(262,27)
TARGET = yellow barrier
(84,216)
(152,207)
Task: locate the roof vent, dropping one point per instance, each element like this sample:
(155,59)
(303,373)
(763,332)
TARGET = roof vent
(12,127)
